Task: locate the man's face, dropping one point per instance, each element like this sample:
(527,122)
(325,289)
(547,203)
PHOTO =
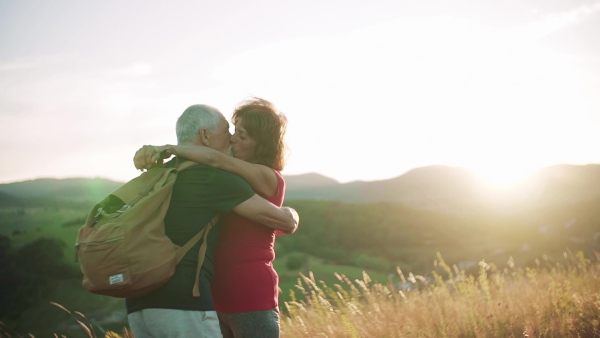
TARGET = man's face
(220,139)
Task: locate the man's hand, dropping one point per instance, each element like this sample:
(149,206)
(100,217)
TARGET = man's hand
(150,156)
(292,226)
(260,210)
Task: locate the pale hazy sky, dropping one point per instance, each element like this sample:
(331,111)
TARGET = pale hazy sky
(371,88)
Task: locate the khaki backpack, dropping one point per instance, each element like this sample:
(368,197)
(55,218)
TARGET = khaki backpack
(122,247)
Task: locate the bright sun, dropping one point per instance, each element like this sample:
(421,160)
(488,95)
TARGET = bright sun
(502,179)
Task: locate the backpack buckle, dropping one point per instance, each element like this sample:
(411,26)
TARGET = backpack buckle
(98,213)
(124,208)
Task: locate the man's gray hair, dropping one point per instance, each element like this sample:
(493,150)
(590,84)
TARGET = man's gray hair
(194,118)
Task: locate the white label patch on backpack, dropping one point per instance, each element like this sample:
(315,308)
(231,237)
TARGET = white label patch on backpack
(116,279)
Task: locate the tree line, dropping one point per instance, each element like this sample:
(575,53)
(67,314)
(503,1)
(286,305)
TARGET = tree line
(30,273)
(381,236)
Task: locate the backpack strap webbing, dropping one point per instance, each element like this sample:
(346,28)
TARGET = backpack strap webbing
(179,167)
(184,165)
(201,255)
(149,187)
(202,234)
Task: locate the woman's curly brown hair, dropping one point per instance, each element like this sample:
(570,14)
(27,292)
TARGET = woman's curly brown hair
(267,127)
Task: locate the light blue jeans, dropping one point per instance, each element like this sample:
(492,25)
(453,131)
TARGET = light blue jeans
(167,323)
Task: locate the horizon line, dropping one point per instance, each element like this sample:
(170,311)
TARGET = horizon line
(474,171)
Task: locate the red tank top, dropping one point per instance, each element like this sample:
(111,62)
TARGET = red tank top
(245,279)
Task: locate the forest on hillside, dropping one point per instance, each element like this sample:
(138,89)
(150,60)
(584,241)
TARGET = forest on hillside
(382,236)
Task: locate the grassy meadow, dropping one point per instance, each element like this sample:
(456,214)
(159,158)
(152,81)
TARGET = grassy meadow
(554,299)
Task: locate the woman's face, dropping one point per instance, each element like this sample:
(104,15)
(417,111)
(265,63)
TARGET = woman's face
(242,145)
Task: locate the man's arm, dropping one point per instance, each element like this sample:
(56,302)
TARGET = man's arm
(264,212)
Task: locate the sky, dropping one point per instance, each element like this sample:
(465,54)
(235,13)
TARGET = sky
(371,89)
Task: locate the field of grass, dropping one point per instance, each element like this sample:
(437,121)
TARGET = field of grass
(28,224)
(558,297)
(103,313)
(106,313)
(288,279)
(554,299)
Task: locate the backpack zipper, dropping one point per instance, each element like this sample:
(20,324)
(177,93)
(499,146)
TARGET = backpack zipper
(78,245)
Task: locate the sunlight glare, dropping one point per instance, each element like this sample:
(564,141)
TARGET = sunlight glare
(502,179)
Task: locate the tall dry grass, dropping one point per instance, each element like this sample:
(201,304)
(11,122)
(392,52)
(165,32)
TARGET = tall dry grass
(553,299)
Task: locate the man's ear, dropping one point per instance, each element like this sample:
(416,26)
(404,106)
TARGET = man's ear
(203,137)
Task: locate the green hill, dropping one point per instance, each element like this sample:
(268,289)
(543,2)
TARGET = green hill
(74,189)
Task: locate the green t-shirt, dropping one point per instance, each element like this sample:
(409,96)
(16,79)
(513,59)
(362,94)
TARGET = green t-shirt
(199,193)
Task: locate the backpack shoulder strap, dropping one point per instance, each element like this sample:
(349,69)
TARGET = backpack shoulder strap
(186,164)
(202,234)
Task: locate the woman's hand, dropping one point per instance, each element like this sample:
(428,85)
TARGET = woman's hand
(150,156)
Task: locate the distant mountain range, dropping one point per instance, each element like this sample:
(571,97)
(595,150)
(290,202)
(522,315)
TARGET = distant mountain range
(433,187)
(70,189)
(445,188)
